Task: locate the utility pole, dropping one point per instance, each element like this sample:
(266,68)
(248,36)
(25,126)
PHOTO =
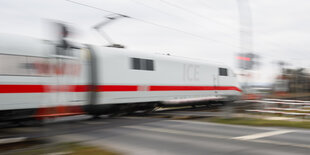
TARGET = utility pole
(246,26)
(246,56)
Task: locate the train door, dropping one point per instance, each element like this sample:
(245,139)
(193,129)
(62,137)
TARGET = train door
(215,83)
(65,79)
(69,87)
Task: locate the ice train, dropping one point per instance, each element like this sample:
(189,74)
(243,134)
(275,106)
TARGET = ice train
(40,79)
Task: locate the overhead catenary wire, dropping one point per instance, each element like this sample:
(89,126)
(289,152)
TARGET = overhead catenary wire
(155,24)
(159,25)
(152,23)
(197,14)
(271,54)
(192,12)
(171,14)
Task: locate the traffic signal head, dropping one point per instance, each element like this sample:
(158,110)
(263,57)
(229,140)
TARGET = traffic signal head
(247,61)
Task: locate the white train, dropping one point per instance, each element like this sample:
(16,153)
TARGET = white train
(39,79)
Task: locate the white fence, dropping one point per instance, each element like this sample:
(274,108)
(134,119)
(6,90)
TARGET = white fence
(282,107)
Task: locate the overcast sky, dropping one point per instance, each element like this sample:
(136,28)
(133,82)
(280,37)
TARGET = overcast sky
(204,29)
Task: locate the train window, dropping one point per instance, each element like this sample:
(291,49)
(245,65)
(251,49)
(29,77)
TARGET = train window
(21,65)
(149,65)
(142,64)
(12,65)
(223,72)
(64,51)
(135,63)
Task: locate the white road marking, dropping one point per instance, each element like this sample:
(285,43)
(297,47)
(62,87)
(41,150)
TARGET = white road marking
(201,144)
(12,140)
(250,138)
(60,153)
(178,132)
(262,135)
(221,125)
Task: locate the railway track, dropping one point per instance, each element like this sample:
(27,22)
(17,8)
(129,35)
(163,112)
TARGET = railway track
(14,136)
(199,111)
(204,110)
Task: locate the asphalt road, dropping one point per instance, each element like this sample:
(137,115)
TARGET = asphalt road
(142,135)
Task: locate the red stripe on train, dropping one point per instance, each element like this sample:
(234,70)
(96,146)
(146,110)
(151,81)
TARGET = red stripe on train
(191,88)
(22,88)
(103,88)
(228,88)
(180,88)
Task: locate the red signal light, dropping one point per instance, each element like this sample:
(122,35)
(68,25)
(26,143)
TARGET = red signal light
(244,58)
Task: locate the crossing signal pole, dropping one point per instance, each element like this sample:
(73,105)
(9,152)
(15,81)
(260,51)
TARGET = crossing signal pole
(246,59)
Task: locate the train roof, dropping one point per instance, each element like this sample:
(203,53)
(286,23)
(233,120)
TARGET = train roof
(140,54)
(23,45)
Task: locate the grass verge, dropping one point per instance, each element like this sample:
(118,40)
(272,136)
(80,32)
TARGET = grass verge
(258,122)
(65,149)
